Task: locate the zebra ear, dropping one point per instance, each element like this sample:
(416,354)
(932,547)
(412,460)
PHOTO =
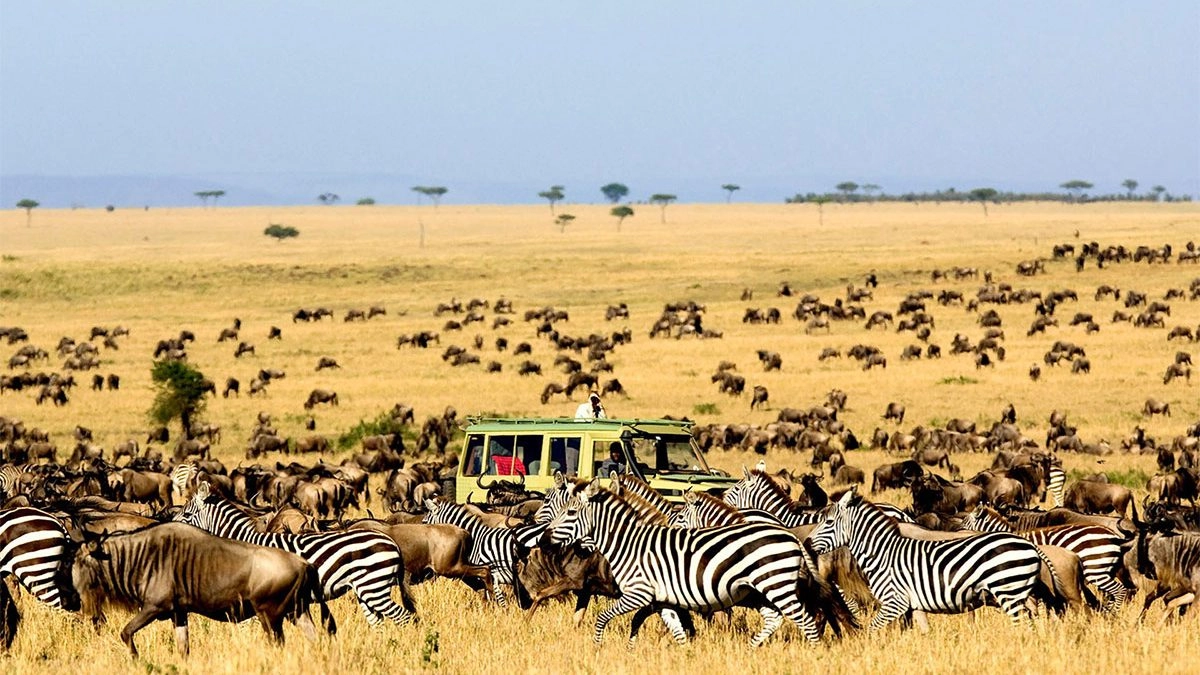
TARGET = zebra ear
(761,466)
(203,490)
(615,487)
(745,471)
(430,505)
(592,489)
(559,480)
(689,497)
(849,496)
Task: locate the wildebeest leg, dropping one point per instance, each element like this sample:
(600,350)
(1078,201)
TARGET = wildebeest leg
(582,600)
(1180,601)
(1151,596)
(138,622)
(180,619)
(639,618)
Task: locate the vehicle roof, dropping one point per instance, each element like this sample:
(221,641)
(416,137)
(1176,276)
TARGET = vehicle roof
(514,424)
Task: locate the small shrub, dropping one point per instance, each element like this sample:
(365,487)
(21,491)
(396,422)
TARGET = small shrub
(384,423)
(281,232)
(706,409)
(960,379)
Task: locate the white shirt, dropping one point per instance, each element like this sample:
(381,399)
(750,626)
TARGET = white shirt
(584,411)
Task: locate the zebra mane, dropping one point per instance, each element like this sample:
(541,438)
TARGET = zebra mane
(988,513)
(771,486)
(637,507)
(634,485)
(703,499)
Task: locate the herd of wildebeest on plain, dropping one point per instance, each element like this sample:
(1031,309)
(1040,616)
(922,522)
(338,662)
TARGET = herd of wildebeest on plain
(159,525)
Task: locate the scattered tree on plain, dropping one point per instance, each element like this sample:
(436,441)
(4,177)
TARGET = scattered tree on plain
(1130,185)
(179,394)
(328,198)
(730,188)
(29,205)
(982,195)
(870,189)
(621,213)
(1158,190)
(614,192)
(434,192)
(563,220)
(281,232)
(553,195)
(847,188)
(662,199)
(366,201)
(1076,188)
(820,201)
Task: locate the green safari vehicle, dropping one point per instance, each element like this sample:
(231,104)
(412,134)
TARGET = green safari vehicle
(660,452)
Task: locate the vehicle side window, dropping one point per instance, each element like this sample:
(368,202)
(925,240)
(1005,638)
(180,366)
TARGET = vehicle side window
(473,461)
(500,458)
(529,452)
(564,454)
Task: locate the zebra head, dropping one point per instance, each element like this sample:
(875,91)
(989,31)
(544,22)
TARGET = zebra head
(568,528)
(974,520)
(689,516)
(198,511)
(436,512)
(556,499)
(834,531)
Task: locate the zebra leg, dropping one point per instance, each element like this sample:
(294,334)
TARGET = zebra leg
(772,619)
(892,607)
(921,621)
(1015,609)
(1115,590)
(635,597)
(674,622)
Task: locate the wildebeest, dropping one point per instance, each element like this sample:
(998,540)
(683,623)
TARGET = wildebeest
(894,411)
(1155,406)
(1172,559)
(320,396)
(770,360)
(896,475)
(433,550)
(327,362)
(1177,370)
(172,570)
(760,397)
(1087,496)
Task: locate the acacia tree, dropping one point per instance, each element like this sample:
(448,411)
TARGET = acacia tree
(29,205)
(1076,188)
(434,192)
(1130,185)
(662,199)
(1158,190)
(328,198)
(870,188)
(982,195)
(563,220)
(614,192)
(847,188)
(206,195)
(554,194)
(366,201)
(180,390)
(621,213)
(730,188)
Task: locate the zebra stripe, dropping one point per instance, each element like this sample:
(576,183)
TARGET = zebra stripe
(33,547)
(363,561)
(947,576)
(705,510)
(1098,548)
(183,480)
(708,570)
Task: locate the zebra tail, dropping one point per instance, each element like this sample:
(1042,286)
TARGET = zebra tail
(1053,594)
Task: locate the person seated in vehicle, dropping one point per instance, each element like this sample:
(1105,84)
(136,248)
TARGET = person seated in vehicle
(615,462)
(504,463)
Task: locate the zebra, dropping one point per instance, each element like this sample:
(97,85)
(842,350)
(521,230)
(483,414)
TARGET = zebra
(1098,548)
(10,480)
(363,561)
(757,491)
(706,570)
(704,510)
(33,548)
(919,576)
(183,480)
(494,547)
(1056,478)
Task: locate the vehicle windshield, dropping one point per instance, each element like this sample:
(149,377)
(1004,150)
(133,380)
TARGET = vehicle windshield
(674,453)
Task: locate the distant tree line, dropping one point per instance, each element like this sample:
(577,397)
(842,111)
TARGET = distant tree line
(1074,191)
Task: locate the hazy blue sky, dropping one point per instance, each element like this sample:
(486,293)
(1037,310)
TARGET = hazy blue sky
(498,100)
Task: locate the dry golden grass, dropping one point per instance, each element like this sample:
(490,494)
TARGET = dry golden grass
(163,270)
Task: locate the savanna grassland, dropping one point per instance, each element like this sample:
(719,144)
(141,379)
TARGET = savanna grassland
(163,270)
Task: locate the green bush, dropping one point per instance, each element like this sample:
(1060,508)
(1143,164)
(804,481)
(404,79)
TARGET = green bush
(706,409)
(384,423)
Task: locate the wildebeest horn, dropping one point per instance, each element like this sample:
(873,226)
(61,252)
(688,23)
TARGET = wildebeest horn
(522,476)
(479,482)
